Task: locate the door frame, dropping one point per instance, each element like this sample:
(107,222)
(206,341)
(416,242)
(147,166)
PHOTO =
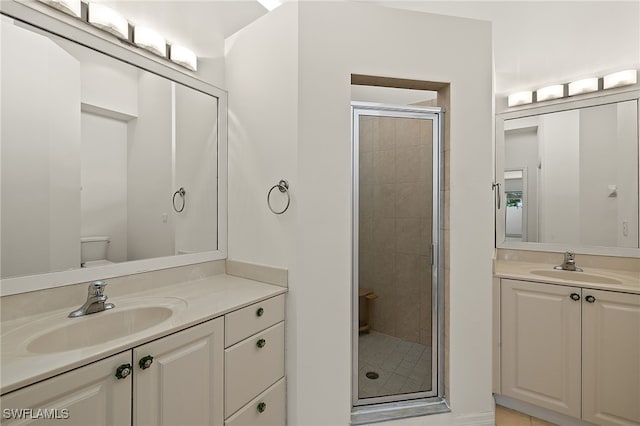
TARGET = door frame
(436,114)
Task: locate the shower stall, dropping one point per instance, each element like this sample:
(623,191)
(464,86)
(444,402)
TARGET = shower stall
(397,253)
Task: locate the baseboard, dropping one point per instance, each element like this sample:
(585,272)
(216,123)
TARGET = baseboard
(541,413)
(476,419)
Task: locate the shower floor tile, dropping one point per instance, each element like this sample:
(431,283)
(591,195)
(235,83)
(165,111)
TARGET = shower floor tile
(401,366)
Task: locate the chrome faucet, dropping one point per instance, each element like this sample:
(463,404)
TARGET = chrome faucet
(95,301)
(569,263)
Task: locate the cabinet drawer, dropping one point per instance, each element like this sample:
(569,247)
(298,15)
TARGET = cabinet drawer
(252,319)
(250,369)
(273,411)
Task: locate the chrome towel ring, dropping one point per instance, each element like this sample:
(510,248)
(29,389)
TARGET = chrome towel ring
(181,192)
(283,186)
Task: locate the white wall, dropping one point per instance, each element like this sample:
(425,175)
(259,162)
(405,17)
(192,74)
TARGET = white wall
(627,174)
(538,43)
(521,151)
(584,152)
(196,155)
(268,140)
(149,171)
(106,83)
(560,184)
(609,156)
(599,161)
(262,79)
(104,182)
(40,162)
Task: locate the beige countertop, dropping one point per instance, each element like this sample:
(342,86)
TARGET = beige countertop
(193,302)
(618,280)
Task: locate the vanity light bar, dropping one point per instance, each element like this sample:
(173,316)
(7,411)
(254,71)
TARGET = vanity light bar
(151,40)
(585,85)
(550,92)
(578,87)
(620,78)
(183,56)
(71,7)
(520,98)
(108,19)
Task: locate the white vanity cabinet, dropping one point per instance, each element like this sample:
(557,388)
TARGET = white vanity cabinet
(540,327)
(254,365)
(90,395)
(184,378)
(572,350)
(610,357)
(178,379)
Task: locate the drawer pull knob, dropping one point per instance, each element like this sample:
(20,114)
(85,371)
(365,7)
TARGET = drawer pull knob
(123,371)
(146,362)
(575,296)
(261,343)
(590,299)
(261,407)
(260,312)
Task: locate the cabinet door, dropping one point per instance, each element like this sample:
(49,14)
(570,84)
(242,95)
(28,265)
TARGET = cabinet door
(183,385)
(611,357)
(540,326)
(90,395)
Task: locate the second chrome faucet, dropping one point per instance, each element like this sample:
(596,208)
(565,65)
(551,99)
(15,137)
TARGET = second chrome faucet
(95,301)
(569,263)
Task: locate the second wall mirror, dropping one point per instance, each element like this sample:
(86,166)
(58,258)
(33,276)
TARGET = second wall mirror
(569,176)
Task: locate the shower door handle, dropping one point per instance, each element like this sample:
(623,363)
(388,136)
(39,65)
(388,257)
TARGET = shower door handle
(496,187)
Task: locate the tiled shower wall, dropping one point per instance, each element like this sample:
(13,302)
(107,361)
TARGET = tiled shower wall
(395,224)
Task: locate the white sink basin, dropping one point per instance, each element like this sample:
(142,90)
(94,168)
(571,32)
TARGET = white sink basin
(98,328)
(576,276)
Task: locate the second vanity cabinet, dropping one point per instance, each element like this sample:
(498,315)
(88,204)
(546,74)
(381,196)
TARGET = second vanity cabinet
(572,350)
(180,379)
(89,395)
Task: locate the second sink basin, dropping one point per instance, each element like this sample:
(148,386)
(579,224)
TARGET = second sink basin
(576,276)
(98,328)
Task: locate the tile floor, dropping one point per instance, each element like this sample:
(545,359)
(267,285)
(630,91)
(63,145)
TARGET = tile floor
(508,417)
(405,367)
(402,366)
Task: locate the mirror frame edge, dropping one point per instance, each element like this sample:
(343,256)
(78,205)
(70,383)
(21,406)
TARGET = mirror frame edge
(624,94)
(57,23)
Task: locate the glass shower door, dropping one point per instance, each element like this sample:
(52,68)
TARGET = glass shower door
(396,240)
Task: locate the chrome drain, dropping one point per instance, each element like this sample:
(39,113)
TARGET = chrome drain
(372,375)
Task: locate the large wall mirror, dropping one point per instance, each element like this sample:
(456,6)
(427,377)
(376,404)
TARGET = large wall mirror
(103,163)
(569,176)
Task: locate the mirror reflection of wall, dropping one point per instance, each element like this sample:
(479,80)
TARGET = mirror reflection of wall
(92,151)
(581,173)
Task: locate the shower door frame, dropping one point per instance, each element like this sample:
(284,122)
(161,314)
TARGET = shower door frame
(436,394)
